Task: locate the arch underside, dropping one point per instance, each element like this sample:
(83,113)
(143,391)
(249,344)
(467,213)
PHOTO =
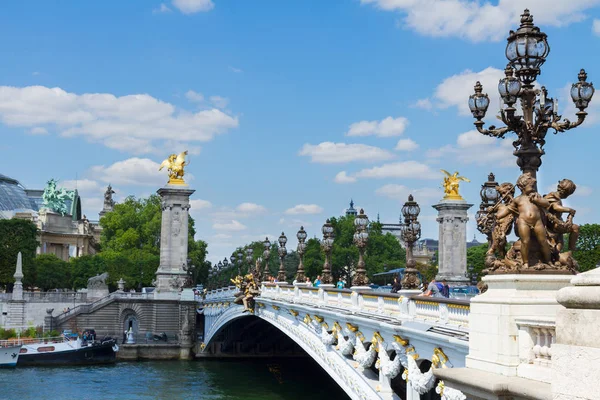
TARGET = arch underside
(352,380)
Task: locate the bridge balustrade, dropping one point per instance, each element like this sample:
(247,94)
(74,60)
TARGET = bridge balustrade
(536,337)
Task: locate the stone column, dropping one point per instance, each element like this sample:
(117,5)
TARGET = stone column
(452,248)
(171,275)
(18,287)
(575,355)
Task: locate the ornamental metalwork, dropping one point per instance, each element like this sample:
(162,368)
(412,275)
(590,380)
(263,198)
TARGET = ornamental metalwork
(327,247)
(410,231)
(526,51)
(301,236)
(489,197)
(282,253)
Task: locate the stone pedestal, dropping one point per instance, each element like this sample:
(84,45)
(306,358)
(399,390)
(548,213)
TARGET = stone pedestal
(171,274)
(576,353)
(452,249)
(495,316)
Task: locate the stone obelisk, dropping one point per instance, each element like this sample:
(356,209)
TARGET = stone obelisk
(452,246)
(175,201)
(17,293)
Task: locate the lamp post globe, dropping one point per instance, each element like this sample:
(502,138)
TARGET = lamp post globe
(410,232)
(489,198)
(266,256)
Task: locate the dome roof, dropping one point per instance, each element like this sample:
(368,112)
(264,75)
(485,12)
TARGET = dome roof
(13,196)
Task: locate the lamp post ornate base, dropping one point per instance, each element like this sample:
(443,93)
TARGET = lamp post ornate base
(452,217)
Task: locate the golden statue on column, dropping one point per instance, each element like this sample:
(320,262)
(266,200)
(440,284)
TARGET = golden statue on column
(175,164)
(451,182)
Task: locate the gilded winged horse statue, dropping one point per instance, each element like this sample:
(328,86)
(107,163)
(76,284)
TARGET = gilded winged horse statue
(451,182)
(175,164)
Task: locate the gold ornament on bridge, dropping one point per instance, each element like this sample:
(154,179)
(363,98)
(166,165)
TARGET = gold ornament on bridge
(175,164)
(451,183)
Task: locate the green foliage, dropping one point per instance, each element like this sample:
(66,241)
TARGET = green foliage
(587,251)
(313,258)
(476,258)
(7,333)
(16,236)
(51,334)
(84,267)
(52,272)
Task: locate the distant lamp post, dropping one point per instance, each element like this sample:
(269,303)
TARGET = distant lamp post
(327,247)
(240,260)
(411,232)
(301,236)
(282,253)
(526,51)
(249,259)
(266,256)
(489,198)
(361,238)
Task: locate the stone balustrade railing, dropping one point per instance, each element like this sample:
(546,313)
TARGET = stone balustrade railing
(428,309)
(536,337)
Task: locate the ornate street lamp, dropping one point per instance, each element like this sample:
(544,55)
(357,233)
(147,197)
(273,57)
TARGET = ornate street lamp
(526,51)
(301,236)
(489,197)
(266,255)
(234,261)
(282,253)
(240,261)
(327,247)
(361,238)
(411,232)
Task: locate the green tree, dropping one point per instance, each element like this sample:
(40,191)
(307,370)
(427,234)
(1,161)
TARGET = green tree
(17,235)
(476,258)
(587,251)
(313,258)
(84,267)
(52,272)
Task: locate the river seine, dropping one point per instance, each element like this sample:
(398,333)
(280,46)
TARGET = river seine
(289,379)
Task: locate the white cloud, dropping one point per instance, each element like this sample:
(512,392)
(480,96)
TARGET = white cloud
(425,104)
(91,193)
(194,96)
(38,130)
(473,147)
(404,169)
(333,153)
(162,9)
(82,185)
(596,27)
(199,204)
(130,123)
(232,226)
(304,209)
(343,177)
(480,21)
(455,90)
(384,128)
(193,6)
(251,208)
(133,171)
(218,101)
(234,69)
(220,236)
(406,145)
(401,192)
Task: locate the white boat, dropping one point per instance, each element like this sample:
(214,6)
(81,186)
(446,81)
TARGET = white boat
(9,355)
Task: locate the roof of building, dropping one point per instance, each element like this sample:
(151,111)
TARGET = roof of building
(13,196)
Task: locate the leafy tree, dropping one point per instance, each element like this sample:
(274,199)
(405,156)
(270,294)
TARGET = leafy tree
(17,235)
(52,272)
(84,267)
(313,258)
(587,251)
(476,258)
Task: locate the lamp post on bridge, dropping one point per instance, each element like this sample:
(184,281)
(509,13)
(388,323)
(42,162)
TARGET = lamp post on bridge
(282,253)
(361,238)
(489,197)
(250,259)
(225,275)
(301,236)
(266,256)
(411,232)
(526,51)
(327,247)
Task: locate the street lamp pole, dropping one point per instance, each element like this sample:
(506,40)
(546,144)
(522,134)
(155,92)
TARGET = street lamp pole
(526,51)
(282,253)
(411,232)
(266,256)
(361,238)
(327,247)
(301,236)
(489,197)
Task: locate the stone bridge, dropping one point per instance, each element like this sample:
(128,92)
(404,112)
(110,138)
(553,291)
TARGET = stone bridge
(374,345)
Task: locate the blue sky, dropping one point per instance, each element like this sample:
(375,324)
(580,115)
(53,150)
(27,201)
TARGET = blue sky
(288,108)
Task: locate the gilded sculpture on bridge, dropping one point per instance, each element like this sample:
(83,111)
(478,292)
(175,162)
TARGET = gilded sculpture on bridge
(451,183)
(248,290)
(175,164)
(539,225)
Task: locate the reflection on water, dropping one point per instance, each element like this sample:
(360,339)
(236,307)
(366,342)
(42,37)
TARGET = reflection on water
(289,379)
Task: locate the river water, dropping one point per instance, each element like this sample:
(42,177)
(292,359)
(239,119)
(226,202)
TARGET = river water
(289,379)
